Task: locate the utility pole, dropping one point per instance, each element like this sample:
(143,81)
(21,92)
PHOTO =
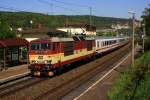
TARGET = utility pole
(133,32)
(90,16)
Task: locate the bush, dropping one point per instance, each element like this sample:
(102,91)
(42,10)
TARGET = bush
(147,43)
(133,84)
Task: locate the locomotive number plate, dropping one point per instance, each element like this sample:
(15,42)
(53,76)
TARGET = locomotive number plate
(40,57)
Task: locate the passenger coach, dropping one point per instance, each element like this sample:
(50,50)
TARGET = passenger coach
(104,44)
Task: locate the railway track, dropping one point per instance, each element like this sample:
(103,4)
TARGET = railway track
(39,88)
(75,82)
(13,79)
(29,81)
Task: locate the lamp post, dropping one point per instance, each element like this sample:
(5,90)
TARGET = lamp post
(132,13)
(143,36)
(31,22)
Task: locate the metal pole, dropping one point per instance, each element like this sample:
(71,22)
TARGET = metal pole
(90,16)
(133,39)
(143,36)
(133,32)
(28,61)
(4,55)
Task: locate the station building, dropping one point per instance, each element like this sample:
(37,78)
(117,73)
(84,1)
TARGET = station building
(78,29)
(33,34)
(13,52)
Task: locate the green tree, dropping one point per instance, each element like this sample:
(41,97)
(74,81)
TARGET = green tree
(5,30)
(146,19)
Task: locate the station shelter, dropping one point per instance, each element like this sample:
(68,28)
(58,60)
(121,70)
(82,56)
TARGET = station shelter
(13,52)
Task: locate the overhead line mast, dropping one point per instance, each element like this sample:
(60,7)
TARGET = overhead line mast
(90,9)
(90,17)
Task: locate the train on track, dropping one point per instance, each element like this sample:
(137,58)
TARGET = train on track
(46,56)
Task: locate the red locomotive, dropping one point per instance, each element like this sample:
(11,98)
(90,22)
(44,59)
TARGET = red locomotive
(47,55)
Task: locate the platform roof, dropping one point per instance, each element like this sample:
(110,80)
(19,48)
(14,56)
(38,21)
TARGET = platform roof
(13,42)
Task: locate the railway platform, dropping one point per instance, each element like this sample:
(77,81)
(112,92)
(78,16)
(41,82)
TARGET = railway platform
(13,72)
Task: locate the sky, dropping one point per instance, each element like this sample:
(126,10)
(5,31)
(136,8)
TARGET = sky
(107,8)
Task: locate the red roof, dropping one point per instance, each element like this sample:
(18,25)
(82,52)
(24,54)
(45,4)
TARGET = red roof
(13,42)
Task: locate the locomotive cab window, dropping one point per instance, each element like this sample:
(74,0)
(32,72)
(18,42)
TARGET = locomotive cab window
(45,46)
(35,46)
(40,46)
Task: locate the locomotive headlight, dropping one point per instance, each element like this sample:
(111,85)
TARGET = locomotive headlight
(49,61)
(34,61)
(46,61)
